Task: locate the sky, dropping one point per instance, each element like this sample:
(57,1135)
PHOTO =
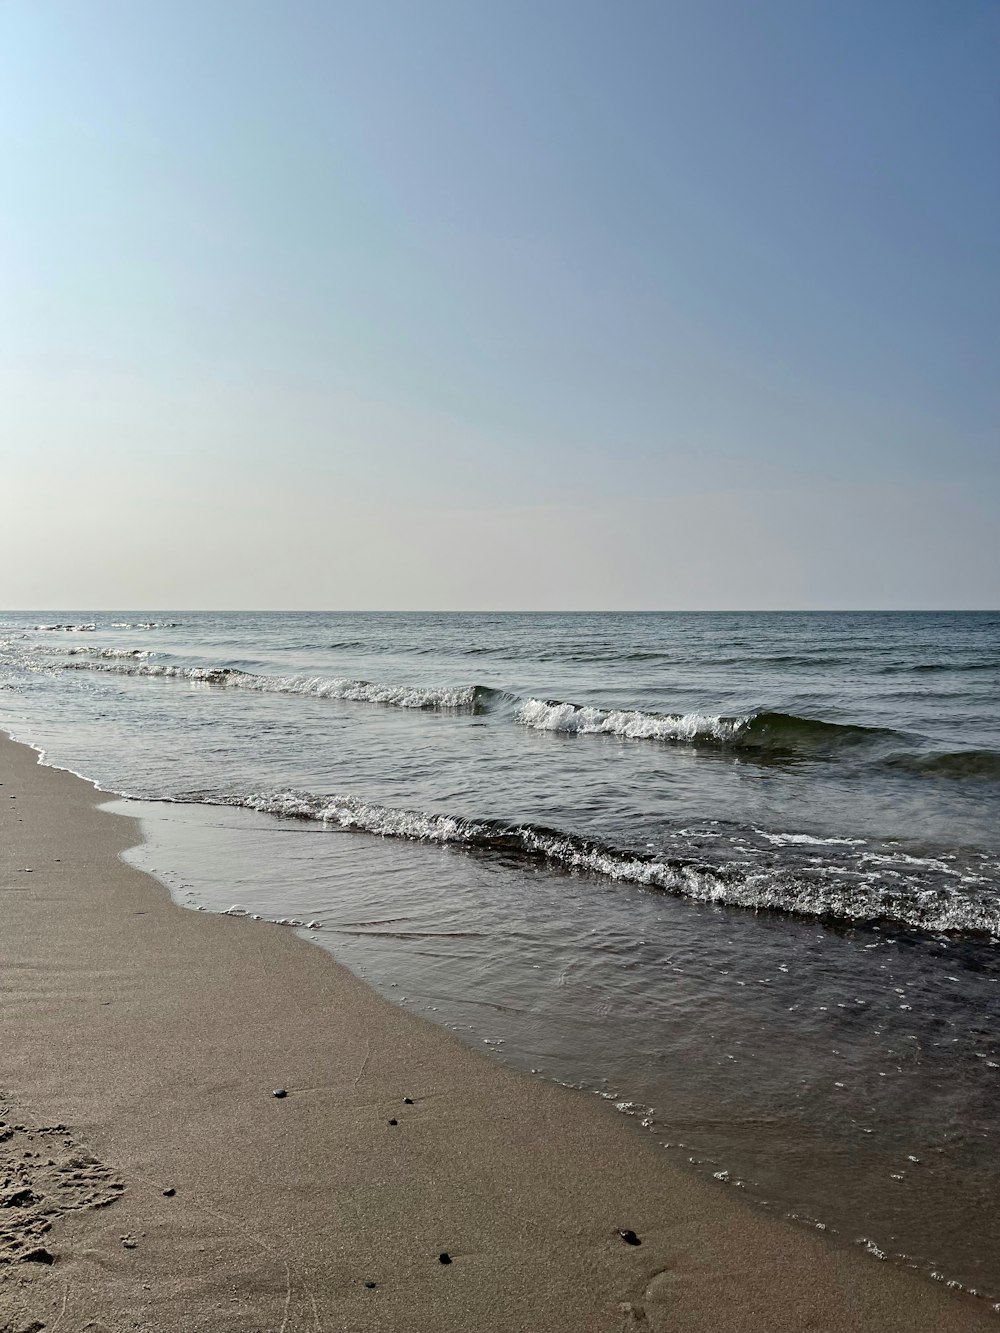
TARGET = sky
(689,304)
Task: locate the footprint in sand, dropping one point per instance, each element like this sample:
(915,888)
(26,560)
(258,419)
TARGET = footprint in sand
(653,1312)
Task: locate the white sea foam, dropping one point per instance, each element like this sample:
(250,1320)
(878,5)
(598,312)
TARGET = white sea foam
(365,816)
(633,724)
(807,840)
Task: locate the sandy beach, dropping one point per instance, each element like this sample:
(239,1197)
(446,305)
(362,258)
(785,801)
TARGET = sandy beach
(151,1179)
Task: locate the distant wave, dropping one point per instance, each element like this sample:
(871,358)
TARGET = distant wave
(775,732)
(470,698)
(754,661)
(20,648)
(937,908)
(136,654)
(146,624)
(918,668)
(508,652)
(91,626)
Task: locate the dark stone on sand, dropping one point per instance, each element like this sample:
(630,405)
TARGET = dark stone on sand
(393,1122)
(444,1257)
(169,1194)
(630,1238)
(279,1092)
(371,1285)
(39,1255)
(19,1198)
(407,1101)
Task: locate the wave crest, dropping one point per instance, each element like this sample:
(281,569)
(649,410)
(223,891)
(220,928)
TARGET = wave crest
(777,732)
(553,715)
(465,698)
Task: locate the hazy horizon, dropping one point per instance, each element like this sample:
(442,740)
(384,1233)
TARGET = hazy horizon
(666,306)
(520,611)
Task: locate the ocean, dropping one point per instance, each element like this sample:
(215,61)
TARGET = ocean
(739,874)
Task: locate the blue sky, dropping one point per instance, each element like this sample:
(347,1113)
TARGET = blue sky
(548,304)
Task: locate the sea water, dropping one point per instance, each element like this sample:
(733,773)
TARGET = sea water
(737,873)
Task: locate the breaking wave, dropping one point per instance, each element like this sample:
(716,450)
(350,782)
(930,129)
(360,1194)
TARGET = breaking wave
(470,698)
(775,732)
(937,908)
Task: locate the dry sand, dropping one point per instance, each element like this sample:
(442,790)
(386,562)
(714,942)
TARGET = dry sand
(151,1181)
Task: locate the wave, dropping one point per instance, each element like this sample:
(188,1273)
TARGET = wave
(110,653)
(323,646)
(764,734)
(146,624)
(582,654)
(91,626)
(775,732)
(470,698)
(938,908)
(973,765)
(753,660)
(917,668)
(508,652)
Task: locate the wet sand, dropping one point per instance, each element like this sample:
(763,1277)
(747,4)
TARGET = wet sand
(150,1180)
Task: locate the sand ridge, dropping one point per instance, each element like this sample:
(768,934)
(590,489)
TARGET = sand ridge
(159,1035)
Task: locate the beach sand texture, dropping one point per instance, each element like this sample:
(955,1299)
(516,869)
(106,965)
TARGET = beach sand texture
(149,1179)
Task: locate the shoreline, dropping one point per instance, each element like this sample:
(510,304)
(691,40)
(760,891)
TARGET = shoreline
(156,1036)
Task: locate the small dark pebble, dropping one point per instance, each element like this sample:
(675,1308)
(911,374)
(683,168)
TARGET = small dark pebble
(371,1285)
(393,1122)
(279,1092)
(630,1238)
(407,1101)
(169,1194)
(38,1256)
(444,1257)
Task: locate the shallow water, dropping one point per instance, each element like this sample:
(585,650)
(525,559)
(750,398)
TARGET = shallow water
(741,874)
